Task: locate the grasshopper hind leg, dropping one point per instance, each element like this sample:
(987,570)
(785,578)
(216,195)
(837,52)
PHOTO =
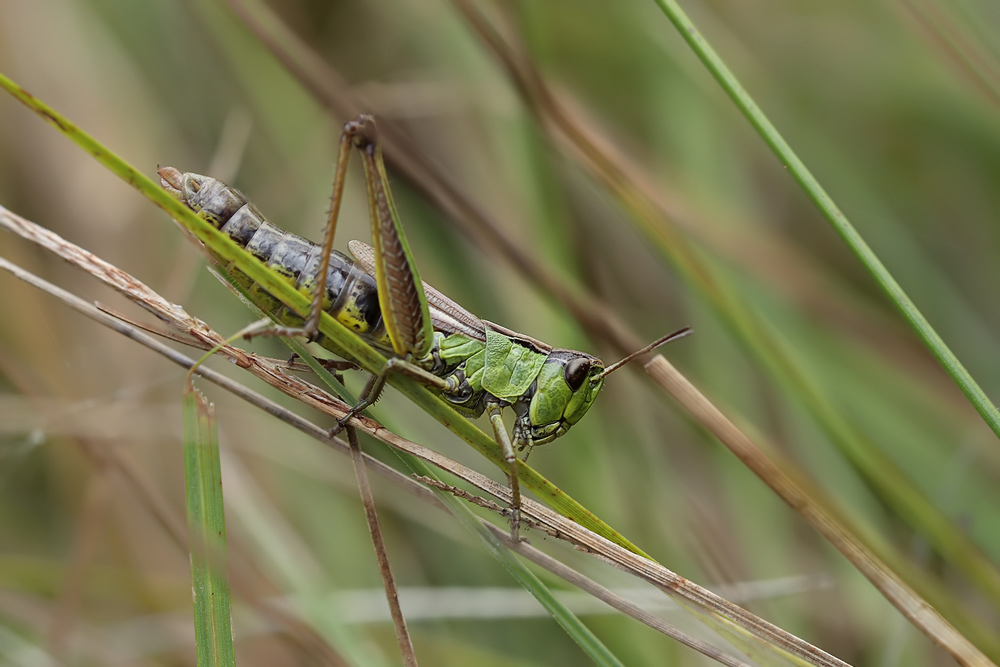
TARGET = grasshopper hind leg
(310,324)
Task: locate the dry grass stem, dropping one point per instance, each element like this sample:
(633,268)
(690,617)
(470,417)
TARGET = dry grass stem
(610,168)
(692,596)
(385,570)
(824,521)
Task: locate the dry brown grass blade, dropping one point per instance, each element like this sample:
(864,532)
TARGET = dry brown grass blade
(388,580)
(810,506)
(692,595)
(523,548)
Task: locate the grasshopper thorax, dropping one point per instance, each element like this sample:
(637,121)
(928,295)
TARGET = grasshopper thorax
(563,391)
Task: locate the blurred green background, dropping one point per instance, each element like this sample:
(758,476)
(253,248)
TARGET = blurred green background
(893,106)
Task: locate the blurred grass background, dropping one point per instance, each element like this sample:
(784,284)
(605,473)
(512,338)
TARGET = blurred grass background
(893,106)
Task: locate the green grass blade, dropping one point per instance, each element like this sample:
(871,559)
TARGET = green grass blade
(557,499)
(207,532)
(299,301)
(973,392)
(297,348)
(351,346)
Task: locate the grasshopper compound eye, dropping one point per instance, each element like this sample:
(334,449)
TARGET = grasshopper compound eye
(576,372)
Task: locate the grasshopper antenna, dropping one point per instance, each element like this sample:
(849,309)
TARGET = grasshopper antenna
(680,333)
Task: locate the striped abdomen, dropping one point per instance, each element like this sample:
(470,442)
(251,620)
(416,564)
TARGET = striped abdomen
(351,294)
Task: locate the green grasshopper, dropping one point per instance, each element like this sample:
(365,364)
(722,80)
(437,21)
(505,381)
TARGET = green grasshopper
(477,366)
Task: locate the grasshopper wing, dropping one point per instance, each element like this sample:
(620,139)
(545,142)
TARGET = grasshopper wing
(447,316)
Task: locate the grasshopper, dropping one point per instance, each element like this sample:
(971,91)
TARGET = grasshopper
(477,366)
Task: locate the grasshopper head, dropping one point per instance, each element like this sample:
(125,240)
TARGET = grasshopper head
(563,391)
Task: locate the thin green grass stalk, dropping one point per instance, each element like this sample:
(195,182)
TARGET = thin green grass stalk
(980,401)
(882,472)
(207,533)
(350,345)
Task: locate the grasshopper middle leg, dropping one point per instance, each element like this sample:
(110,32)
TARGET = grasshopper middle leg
(375,387)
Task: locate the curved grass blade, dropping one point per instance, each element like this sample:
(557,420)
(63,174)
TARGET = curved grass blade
(371,360)
(349,344)
(897,489)
(743,629)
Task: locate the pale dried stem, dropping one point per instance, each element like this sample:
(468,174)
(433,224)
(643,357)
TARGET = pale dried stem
(610,168)
(119,459)
(820,516)
(700,600)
